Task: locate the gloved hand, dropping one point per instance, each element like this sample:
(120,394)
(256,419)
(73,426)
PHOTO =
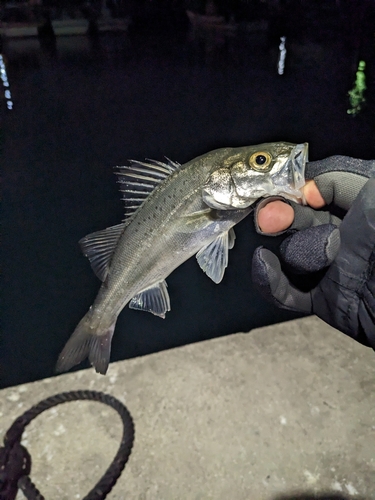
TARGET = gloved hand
(345,296)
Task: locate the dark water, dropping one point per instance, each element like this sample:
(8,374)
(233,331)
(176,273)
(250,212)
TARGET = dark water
(94,104)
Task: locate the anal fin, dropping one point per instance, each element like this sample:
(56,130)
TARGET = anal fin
(154,299)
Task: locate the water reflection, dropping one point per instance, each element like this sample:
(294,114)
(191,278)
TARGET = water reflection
(282,56)
(4,78)
(356,94)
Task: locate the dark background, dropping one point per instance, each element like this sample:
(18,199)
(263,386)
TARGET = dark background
(83,105)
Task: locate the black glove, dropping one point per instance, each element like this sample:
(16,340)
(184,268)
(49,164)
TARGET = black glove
(344,297)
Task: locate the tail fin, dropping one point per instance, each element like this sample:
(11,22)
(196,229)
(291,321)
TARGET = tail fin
(86,342)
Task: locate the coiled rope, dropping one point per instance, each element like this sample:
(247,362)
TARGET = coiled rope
(15,461)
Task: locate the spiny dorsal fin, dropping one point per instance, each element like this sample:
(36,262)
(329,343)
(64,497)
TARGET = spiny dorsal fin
(154,299)
(140,178)
(99,248)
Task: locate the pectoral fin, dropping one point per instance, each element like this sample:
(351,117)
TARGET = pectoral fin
(154,299)
(213,259)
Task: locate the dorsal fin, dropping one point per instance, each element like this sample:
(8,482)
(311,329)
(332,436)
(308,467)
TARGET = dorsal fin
(140,178)
(99,248)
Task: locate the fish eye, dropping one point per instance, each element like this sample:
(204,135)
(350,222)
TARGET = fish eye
(260,161)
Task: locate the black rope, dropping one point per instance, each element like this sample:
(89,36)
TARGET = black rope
(15,461)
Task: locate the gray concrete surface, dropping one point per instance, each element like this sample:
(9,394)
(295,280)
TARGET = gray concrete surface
(266,415)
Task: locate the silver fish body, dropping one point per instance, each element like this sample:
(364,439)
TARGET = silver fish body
(174,212)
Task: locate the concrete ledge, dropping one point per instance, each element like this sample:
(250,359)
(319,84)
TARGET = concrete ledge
(283,409)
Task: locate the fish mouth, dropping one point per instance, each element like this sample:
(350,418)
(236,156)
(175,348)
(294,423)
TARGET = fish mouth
(288,175)
(297,164)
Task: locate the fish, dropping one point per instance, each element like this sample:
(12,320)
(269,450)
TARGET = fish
(173,212)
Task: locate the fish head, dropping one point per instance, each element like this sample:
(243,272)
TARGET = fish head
(249,173)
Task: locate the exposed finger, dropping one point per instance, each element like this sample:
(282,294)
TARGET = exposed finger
(275,217)
(312,195)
